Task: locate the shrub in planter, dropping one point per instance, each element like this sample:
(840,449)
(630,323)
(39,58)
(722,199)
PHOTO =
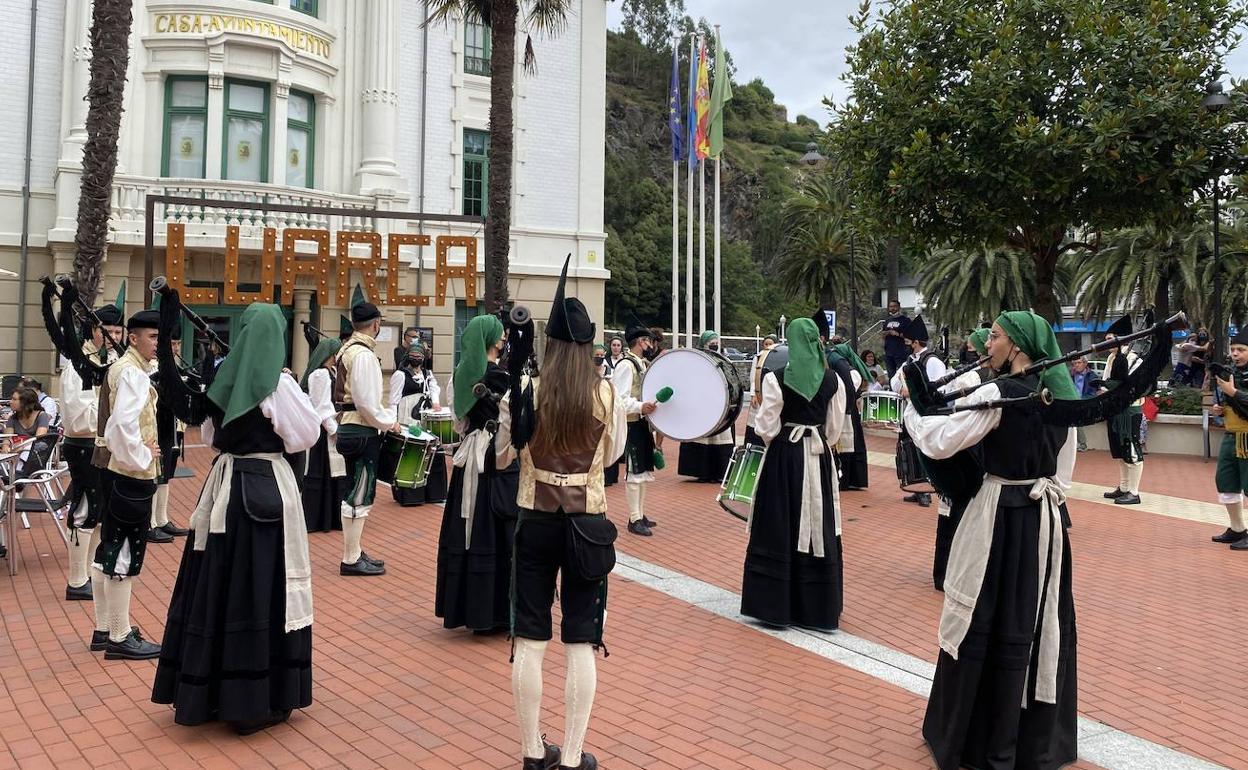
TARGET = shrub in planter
(1178,400)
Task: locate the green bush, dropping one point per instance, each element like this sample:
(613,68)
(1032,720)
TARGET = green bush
(1178,400)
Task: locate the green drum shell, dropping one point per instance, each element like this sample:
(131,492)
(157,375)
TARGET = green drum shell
(741,480)
(415,460)
(442,426)
(881,407)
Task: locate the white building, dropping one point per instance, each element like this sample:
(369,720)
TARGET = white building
(342,103)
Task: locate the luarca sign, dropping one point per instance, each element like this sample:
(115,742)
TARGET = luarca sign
(328,272)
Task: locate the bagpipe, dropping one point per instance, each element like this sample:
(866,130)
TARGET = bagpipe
(64,328)
(186,399)
(520,359)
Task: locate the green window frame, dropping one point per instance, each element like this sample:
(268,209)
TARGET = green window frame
(178,113)
(295,126)
(476,171)
(242,114)
(464,314)
(477,36)
(310,7)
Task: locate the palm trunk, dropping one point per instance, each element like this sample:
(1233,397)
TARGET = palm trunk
(892,259)
(1044,302)
(110,56)
(503,15)
(1161,297)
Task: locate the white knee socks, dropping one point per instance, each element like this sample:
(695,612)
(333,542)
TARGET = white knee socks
(160,506)
(579,696)
(118,592)
(79,556)
(99,596)
(633,493)
(526,689)
(1236,512)
(1135,472)
(352,531)
(1124,476)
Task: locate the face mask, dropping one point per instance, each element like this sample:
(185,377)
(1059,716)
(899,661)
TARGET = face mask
(650,354)
(1202,337)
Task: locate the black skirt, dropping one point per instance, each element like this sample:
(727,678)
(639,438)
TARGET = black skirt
(474,585)
(322,493)
(781,586)
(975,716)
(226,655)
(853,465)
(704,462)
(946,528)
(434,490)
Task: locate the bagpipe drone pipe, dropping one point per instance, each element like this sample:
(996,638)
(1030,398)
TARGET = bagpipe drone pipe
(521,360)
(185,399)
(75,317)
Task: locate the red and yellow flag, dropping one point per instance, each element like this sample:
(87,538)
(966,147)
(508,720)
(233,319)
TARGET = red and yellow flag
(702,101)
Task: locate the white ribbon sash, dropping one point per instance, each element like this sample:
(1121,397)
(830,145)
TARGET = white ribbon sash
(810,523)
(968,562)
(209,518)
(470,455)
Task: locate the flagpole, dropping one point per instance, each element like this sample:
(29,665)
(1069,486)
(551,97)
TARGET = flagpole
(693,58)
(702,246)
(719,327)
(676,205)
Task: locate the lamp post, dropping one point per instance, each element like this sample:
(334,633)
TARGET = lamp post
(782,320)
(1213,102)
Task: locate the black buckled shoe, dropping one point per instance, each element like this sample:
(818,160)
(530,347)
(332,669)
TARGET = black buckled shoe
(371,560)
(133,647)
(1117,493)
(175,530)
(80,594)
(639,528)
(158,535)
(649,522)
(1240,544)
(361,568)
(1126,498)
(588,762)
(548,762)
(1230,536)
(99,639)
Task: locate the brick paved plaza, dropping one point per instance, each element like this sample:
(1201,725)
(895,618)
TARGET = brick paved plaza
(688,683)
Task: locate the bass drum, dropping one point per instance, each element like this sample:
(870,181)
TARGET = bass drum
(769,361)
(706,393)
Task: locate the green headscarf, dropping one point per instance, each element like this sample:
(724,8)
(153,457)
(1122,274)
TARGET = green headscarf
(249,373)
(481,334)
(325,349)
(979,341)
(847,353)
(1034,336)
(804,372)
(706,338)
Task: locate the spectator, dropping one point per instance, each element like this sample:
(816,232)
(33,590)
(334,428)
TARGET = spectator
(1083,378)
(46,402)
(27,419)
(1200,356)
(410,334)
(868,358)
(895,348)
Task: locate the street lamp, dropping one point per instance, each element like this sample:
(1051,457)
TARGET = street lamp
(1215,99)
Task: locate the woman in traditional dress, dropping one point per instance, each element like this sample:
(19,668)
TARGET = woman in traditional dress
(479,519)
(851,450)
(1004,694)
(238,639)
(413,382)
(706,459)
(793,570)
(326,471)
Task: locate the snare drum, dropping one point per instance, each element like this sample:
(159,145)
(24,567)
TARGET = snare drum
(706,393)
(406,460)
(736,494)
(881,407)
(442,425)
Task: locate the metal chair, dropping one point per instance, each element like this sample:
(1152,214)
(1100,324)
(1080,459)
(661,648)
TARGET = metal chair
(18,475)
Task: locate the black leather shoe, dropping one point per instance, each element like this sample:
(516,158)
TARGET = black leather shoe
(1230,536)
(99,639)
(80,594)
(175,530)
(548,762)
(371,560)
(158,535)
(1240,544)
(639,528)
(1117,493)
(1126,498)
(256,725)
(648,522)
(913,497)
(925,500)
(587,763)
(361,568)
(133,647)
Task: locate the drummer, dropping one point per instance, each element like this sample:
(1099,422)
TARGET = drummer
(413,390)
(706,459)
(639,450)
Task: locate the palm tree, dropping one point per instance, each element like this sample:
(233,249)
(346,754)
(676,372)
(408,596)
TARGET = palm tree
(1135,268)
(1197,242)
(548,17)
(963,288)
(110,56)
(814,258)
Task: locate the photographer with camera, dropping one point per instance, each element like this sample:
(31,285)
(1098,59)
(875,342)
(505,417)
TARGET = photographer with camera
(1231,478)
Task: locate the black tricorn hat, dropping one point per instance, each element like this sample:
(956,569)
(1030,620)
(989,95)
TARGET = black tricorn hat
(1121,327)
(916,330)
(569,320)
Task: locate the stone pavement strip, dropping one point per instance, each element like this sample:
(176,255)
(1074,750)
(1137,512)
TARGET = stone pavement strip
(687,684)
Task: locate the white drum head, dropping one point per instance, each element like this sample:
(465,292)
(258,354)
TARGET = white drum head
(699,394)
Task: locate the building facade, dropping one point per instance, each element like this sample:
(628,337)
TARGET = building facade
(325,108)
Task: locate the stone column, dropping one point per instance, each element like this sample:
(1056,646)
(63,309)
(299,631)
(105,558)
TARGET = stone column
(299,352)
(77,27)
(215,138)
(277,126)
(380,99)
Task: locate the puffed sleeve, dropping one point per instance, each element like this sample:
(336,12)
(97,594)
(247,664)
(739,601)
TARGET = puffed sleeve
(835,421)
(942,436)
(320,392)
(767,419)
(292,414)
(397,381)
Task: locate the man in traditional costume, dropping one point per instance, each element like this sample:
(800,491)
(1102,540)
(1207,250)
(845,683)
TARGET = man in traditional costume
(363,418)
(1124,427)
(793,568)
(639,454)
(238,639)
(916,338)
(706,459)
(573,424)
(1232,474)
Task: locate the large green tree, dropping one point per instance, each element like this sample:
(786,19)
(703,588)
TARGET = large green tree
(1007,123)
(547,17)
(963,287)
(822,245)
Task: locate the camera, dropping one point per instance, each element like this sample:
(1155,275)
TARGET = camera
(1219,370)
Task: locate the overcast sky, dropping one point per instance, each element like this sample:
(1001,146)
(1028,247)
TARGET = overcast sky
(798,46)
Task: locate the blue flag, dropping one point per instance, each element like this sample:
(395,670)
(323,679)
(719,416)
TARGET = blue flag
(691,121)
(673,110)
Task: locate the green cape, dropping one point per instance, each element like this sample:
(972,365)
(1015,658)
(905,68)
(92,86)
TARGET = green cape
(979,341)
(1034,336)
(249,373)
(804,372)
(481,334)
(847,353)
(325,349)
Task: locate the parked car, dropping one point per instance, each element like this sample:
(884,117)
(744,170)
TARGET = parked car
(732,354)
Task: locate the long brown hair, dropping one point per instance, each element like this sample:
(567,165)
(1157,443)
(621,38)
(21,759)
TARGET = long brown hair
(565,400)
(28,402)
